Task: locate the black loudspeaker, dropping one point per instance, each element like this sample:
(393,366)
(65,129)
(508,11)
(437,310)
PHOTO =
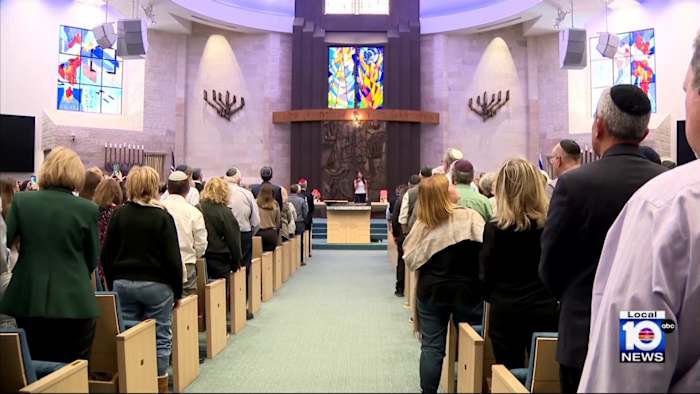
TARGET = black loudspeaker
(132,41)
(572,49)
(684,153)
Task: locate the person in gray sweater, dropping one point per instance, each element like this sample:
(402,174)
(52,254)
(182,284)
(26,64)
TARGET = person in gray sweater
(301,206)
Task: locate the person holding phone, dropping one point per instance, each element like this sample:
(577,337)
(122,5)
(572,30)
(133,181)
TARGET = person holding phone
(361,187)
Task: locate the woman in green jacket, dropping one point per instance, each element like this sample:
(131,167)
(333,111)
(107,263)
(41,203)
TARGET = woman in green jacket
(50,294)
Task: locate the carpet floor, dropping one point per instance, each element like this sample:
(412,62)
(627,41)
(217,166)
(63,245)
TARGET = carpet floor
(335,326)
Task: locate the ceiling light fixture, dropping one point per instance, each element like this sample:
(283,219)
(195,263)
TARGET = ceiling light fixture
(96,3)
(621,4)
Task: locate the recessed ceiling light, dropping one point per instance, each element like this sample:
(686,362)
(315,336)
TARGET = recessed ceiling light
(97,3)
(620,4)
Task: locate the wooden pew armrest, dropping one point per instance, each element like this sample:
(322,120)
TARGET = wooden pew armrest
(143,328)
(73,378)
(502,381)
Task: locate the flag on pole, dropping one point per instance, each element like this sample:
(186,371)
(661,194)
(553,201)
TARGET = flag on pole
(172,161)
(540,162)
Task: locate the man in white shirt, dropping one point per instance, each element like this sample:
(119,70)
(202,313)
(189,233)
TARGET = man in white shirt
(408,203)
(651,262)
(191,230)
(192,196)
(245,209)
(451,156)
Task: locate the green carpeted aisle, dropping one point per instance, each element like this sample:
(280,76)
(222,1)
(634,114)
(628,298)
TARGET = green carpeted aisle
(334,327)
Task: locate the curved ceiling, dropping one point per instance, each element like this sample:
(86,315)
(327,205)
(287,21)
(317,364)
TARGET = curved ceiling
(436,15)
(428,8)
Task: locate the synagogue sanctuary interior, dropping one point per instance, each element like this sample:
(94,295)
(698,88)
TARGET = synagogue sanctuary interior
(376,196)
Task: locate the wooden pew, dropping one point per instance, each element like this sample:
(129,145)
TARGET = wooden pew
(502,381)
(238,304)
(448,378)
(470,358)
(307,245)
(73,378)
(466,341)
(286,259)
(267,276)
(136,355)
(542,374)
(278,262)
(296,245)
(255,285)
(257,247)
(126,358)
(185,343)
(18,371)
(215,306)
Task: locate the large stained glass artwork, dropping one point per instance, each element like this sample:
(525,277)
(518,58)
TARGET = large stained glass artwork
(355,77)
(89,77)
(341,77)
(370,76)
(634,63)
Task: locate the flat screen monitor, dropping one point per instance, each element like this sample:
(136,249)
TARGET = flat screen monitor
(16,143)
(684,153)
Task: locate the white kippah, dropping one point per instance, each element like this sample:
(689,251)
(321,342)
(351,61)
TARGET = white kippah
(177,176)
(454,154)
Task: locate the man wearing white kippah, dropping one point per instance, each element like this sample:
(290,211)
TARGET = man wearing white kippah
(451,156)
(191,230)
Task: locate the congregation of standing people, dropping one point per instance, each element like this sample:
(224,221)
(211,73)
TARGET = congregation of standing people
(74,230)
(565,256)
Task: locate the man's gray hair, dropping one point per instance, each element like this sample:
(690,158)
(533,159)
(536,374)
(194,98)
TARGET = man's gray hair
(621,125)
(234,175)
(695,62)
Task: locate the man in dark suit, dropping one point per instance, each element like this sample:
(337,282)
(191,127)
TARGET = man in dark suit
(266,176)
(308,222)
(584,205)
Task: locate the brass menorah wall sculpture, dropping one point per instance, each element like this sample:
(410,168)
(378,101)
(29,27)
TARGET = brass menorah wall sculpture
(224,107)
(487,109)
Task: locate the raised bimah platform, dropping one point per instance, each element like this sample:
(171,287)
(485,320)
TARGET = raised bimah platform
(349,224)
(386,115)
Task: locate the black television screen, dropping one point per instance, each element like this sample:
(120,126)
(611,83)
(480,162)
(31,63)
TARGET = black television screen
(684,153)
(16,143)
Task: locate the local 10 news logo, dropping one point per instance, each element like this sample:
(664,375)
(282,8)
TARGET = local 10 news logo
(643,336)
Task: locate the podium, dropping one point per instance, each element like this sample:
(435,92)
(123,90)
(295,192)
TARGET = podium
(349,224)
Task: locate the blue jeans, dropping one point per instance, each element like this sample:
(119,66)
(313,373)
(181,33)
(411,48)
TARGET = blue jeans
(150,300)
(433,320)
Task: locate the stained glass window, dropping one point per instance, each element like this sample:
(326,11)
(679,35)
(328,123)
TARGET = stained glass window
(355,77)
(634,63)
(89,77)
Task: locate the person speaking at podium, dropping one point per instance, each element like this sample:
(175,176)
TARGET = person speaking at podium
(361,188)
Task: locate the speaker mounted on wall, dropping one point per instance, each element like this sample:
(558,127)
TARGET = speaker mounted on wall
(572,49)
(132,38)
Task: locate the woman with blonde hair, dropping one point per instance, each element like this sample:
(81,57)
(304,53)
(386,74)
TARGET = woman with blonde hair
(270,218)
(520,305)
(141,261)
(50,294)
(223,253)
(443,247)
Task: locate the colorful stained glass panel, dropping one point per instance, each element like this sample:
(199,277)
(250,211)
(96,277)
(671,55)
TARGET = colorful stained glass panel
(341,77)
(634,63)
(89,77)
(370,76)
